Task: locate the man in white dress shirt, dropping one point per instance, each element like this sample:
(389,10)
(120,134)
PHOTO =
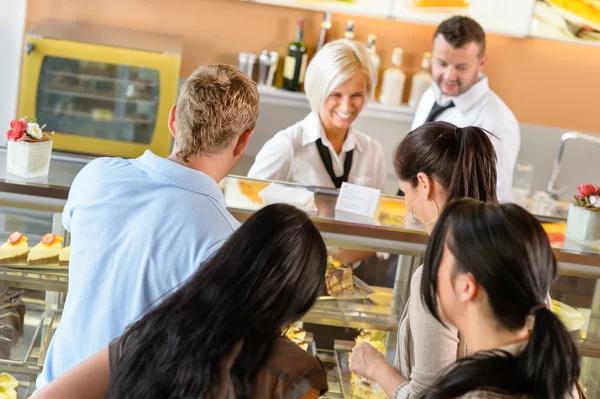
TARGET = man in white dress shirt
(460,94)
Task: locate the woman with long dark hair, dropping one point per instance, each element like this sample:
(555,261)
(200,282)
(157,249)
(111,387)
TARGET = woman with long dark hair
(219,334)
(435,164)
(493,289)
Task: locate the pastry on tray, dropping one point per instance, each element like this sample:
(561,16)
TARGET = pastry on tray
(339,279)
(297,335)
(8,386)
(5,347)
(302,344)
(15,249)
(363,387)
(46,251)
(12,317)
(64,256)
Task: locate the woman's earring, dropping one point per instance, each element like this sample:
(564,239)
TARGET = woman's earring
(436,207)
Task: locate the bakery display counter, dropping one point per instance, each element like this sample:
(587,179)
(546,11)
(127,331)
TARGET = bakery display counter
(369,306)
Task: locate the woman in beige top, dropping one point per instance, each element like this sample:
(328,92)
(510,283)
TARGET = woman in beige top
(435,163)
(487,271)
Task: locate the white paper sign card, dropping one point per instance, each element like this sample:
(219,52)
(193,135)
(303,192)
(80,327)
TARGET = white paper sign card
(357,203)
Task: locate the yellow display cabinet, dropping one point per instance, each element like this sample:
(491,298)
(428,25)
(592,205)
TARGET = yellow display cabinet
(102,90)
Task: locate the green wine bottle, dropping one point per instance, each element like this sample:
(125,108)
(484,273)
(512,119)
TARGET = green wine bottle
(296,61)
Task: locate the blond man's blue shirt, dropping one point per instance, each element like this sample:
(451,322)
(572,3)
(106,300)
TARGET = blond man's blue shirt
(139,228)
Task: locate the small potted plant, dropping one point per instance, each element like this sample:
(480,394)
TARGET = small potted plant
(28,148)
(583,222)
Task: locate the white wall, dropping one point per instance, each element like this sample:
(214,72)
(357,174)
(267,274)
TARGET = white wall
(12,25)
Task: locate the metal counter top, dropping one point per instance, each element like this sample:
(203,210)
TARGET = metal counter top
(393,232)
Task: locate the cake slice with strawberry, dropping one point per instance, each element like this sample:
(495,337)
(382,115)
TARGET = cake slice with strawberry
(15,249)
(46,251)
(64,256)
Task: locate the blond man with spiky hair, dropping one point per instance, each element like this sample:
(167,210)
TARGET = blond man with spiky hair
(323,149)
(140,227)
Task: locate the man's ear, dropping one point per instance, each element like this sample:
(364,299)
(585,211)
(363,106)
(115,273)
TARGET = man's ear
(242,143)
(482,62)
(172,127)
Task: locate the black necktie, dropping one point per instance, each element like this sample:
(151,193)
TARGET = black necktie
(436,110)
(326,158)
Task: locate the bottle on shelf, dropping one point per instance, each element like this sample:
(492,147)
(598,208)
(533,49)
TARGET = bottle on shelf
(372,48)
(296,61)
(325,26)
(392,86)
(420,81)
(349,34)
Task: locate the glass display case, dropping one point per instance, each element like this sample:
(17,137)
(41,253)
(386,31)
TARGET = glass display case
(38,290)
(380,284)
(104,91)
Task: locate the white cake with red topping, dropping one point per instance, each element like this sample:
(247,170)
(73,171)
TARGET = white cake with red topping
(46,251)
(15,249)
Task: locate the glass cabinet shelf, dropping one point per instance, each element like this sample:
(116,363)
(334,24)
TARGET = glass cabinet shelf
(105,78)
(35,279)
(81,94)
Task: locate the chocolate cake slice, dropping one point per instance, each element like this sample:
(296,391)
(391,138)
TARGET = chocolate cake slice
(10,326)
(339,280)
(11,302)
(8,331)
(5,347)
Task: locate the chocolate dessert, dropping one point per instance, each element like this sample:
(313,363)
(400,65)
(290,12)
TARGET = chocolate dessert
(339,278)
(12,317)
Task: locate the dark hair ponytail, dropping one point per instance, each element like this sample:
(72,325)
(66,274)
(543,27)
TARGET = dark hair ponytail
(463,160)
(474,174)
(551,358)
(509,255)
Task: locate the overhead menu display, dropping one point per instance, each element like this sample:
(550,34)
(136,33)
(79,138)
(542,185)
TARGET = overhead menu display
(373,8)
(506,17)
(569,20)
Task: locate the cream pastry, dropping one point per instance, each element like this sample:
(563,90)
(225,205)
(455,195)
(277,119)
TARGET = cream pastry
(46,251)
(14,249)
(64,256)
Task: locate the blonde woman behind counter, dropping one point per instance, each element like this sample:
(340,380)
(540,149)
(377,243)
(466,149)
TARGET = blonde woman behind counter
(323,149)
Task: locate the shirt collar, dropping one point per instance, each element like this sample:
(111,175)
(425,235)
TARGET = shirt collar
(313,130)
(467,100)
(178,175)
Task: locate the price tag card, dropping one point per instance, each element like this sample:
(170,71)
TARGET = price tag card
(357,203)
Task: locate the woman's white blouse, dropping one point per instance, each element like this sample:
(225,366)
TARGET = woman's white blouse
(292,155)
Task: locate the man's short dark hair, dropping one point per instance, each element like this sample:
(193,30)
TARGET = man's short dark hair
(461,30)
